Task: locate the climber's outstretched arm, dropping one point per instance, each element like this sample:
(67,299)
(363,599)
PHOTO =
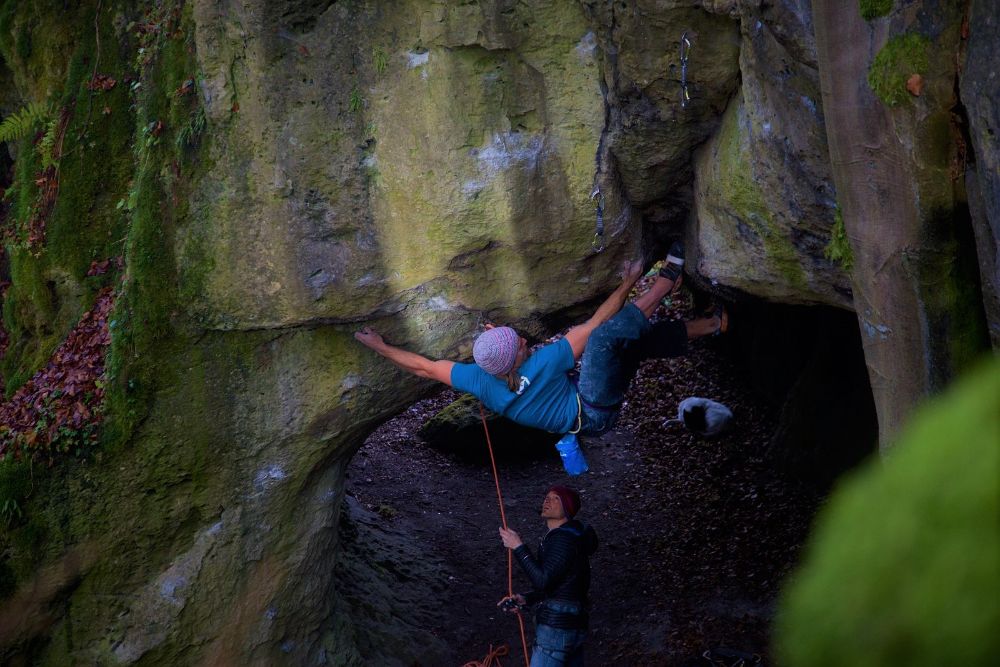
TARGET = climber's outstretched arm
(408,361)
(578,336)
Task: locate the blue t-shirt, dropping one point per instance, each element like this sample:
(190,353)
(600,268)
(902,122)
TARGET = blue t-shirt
(545,399)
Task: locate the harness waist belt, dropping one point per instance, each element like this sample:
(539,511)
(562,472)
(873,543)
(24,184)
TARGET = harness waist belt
(564,607)
(579,396)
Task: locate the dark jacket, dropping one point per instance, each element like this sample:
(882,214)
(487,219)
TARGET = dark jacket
(561,575)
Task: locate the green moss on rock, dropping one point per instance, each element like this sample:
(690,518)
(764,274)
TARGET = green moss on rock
(15,485)
(873,9)
(902,568)
(50,289)
(35,38)
(166,138)
(746,201)
(839,248)
(901,57)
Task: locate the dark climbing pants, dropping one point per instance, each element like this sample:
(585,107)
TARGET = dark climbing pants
(612,357)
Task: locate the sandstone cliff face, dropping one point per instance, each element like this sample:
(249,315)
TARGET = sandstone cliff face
(895,156)
(765,203)
(418,169)
(981,97)
(277,174)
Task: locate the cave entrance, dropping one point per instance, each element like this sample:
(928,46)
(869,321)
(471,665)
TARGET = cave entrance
(696,534)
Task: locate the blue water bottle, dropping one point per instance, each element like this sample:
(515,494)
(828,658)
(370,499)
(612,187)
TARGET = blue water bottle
(572,455)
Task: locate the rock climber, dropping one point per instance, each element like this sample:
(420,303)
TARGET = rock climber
(560,577)
(533,389)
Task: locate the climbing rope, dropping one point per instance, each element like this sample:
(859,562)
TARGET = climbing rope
(492,658)
(598,243)
(685,50)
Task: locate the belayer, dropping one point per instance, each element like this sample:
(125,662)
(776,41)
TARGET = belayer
(533,389)
(560,577)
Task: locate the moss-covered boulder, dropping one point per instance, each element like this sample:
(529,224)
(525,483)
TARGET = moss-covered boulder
(765,205)
(436,158)
(273,176)
(458,428)
(902,568)
(651,131)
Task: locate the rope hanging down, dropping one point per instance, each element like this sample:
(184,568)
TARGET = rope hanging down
(685,51)
(493,657)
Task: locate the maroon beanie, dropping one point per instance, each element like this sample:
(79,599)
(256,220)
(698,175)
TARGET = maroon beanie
(570,499)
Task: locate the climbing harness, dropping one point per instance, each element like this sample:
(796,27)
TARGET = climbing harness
(492,658)
(685,50)
(598,243)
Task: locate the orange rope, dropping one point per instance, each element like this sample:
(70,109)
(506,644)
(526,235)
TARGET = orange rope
(492,658)
(510,553)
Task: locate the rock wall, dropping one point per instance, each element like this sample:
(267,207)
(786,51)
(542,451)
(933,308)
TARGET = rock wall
(274,174)
(765,202)
(889,93)
(296,169)
(981,98)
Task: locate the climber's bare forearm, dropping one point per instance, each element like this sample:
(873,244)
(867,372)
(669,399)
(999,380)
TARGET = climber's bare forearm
(611,305)
(411,362)
(579,335)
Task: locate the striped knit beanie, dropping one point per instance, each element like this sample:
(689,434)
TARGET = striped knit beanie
(496,349)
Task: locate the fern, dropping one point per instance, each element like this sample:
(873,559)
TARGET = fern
(20,123)
(47,145)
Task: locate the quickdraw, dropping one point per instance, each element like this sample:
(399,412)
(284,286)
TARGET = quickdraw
(598,243)
(685,51)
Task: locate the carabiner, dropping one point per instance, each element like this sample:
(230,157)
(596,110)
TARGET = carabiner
(598,243)
(685,47)
(685,51)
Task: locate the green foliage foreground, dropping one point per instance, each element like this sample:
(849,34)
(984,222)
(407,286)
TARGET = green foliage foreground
(904,565)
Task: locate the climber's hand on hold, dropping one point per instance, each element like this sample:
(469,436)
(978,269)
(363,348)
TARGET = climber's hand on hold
(369,337)
(631,271)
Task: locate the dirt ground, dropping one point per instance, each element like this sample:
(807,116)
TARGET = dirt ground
(696,534)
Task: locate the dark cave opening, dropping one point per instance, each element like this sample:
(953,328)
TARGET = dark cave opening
(676,514)
(809,362)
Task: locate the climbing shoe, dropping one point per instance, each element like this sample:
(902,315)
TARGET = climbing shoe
(673,266)
(719,311)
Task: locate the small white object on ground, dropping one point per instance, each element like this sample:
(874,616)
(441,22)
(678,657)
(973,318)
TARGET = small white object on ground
(717,416)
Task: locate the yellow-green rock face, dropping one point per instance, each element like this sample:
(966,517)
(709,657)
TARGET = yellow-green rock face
(764,198)
(441,148)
